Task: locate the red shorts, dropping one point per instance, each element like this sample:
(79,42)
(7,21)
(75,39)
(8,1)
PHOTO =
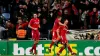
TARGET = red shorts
(63,39)
(35,34)
(54,35)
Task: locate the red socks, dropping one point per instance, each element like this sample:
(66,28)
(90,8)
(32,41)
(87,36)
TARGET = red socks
(51,44)
(34,47)
(58,39)
(61,49)
(69,48)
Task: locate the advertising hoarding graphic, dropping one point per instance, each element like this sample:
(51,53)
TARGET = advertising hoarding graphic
(3,48)
(81,47)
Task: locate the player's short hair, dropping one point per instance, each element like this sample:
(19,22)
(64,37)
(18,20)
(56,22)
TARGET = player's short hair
(63,20)
(58,16)
(34,13)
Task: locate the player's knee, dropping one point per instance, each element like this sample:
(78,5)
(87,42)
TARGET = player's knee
(37,41)
(34,42)
(64,45)
(53,40)
(67,44)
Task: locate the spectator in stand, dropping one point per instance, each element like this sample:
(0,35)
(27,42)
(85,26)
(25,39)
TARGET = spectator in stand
(84,5)
(98,19)
(39,10)
(1,31)
(44,11)
(54,5)
(95,3)
(10,27)
(1,18)
(79,16)
(88,36)
(44,28)
(94,18)
(83,20)
(66,14)
(34,6)
(98,36)
(27,8)
(75,19)
(21,34)
(16,7)
(50,19)
(21,24)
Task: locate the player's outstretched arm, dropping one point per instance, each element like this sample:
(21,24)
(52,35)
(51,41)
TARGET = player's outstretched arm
(61,24)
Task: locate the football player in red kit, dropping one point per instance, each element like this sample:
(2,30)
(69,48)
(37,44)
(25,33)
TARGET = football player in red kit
(55,36)
(64,41)
(34,24)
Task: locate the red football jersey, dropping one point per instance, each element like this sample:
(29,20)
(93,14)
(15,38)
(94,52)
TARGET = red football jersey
(34,23)
(56,24)
(63,30)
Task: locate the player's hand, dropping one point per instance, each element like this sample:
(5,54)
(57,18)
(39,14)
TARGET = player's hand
(34,28)
(57,30)
(19,26)
(64,25)
(7,29)
(59,36)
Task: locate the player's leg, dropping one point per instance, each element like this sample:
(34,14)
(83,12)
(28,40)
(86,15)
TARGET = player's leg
(58,38)
(37,40)
(34,46)
(62,48)
(67,44)
(32,33)
(52,43)
(69,49)
(53,40)
(65,41)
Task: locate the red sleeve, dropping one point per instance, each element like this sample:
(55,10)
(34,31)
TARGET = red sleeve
(31,21)
(39,20)
(57,21)
(91,13)
(75,10)
(96,14)
(16,26)
(25,24)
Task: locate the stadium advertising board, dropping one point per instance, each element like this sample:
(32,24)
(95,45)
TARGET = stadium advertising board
(81,47)
(3,48)
(82,34)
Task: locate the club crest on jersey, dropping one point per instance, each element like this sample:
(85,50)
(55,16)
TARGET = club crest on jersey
(36,22)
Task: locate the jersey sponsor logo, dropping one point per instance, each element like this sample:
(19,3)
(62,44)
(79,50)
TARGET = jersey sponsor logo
(36,22)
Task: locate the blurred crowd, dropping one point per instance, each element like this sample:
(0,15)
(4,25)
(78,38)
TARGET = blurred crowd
(82,14)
